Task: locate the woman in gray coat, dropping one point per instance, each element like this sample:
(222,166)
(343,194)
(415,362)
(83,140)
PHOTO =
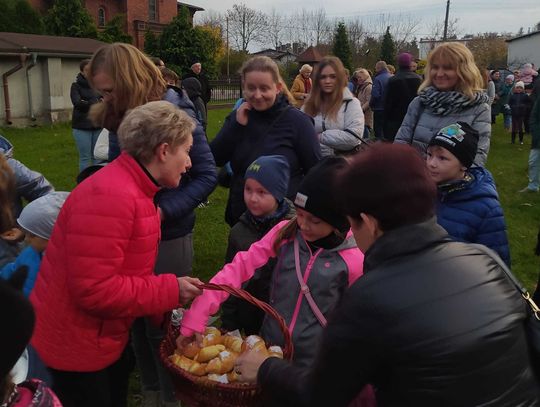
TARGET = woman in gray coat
(451,92)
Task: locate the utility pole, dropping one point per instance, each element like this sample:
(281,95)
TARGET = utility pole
(227,29)
(446,20)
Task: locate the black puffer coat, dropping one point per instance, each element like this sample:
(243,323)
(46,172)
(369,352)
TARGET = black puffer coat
(82,97)
(431,323)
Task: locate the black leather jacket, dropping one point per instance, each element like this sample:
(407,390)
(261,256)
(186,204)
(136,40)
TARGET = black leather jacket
(431,323)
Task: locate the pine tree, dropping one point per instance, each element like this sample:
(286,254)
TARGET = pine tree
(69,18)
(342,48)
(388,48)
(114,31)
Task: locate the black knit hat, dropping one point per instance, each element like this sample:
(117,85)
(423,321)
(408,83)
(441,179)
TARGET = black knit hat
(460,139)
(316,193)
(17,321)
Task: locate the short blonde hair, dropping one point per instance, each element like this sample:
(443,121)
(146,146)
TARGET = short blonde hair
(148,126)
(460,58)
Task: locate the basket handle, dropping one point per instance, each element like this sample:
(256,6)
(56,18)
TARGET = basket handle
(288,349)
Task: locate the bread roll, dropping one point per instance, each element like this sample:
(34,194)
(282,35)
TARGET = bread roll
(232,342)
(211,339)
(223,363)
(209,352)
(275,351)
(197,369)
(254,342)
(212,330)
(181,361)
(233,376)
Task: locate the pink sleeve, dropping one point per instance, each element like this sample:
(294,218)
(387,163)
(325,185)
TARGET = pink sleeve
(234,274)
(354,259)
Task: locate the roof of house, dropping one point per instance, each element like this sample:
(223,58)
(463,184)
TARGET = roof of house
(311,54)
(48,44)
(274,54)
(190,6)
(524,36)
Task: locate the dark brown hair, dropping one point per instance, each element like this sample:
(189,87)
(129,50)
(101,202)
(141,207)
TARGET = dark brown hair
(389,182)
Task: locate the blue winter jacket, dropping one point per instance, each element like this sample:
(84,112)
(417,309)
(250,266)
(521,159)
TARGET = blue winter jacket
(380,82)
(178,204)
(470,212)
(28,257)
(30,184)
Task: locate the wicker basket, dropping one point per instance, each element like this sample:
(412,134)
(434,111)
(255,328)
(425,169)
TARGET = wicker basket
(196,391)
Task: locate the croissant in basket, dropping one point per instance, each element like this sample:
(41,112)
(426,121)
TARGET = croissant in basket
(209,353)
(254,343)
(233,343)
(223,363)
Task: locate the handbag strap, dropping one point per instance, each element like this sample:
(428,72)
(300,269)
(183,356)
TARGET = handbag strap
(522,290)
(304,289)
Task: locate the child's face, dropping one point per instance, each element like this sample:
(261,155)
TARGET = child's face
(311,227)
(518,90)
(443,166)
(38,243)
(258,200)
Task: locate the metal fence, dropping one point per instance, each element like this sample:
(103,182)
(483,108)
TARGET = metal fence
(225,90)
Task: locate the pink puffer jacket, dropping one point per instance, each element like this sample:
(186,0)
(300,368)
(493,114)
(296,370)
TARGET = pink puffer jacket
(97,273)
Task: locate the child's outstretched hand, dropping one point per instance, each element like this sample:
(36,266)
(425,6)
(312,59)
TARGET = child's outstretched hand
(188,290)
(183,341)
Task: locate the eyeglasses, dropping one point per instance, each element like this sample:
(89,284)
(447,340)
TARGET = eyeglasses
(105,92)
(331,76)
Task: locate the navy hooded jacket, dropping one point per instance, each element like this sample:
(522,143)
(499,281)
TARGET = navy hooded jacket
(178,204)
(470,211)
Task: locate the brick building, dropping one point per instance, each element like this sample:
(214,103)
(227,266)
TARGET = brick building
(140,15)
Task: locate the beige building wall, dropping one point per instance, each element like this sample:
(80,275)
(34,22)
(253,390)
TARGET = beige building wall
(50,83)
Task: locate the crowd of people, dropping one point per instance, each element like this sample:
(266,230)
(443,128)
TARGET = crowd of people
(360,208)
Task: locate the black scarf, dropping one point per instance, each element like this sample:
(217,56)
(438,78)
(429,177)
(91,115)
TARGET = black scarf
(445,103)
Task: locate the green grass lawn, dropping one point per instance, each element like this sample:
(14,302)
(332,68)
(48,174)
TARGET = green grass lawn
(51,150)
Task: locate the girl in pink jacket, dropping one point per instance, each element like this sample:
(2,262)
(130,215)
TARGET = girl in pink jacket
(317,259)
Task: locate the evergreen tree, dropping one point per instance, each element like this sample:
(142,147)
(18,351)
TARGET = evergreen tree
(180,44)
(28,20)
(388,48)
(18,16)
(342,48)
(151,44)
(114,31)
(69,18)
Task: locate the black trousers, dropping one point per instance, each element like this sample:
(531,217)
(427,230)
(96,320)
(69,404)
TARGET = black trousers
(378,124)
(105,388)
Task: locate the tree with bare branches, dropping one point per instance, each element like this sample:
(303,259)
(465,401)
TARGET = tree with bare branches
(274,29)
(246,25)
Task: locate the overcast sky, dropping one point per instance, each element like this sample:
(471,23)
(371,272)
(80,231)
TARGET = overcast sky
(474,15)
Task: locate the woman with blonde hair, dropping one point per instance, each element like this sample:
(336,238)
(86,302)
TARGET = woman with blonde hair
(338,116)
(365,84)
(301,86)
(452,91)
(264,124)
(127,78)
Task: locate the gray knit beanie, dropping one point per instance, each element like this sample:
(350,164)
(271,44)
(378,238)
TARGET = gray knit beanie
(39,216)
